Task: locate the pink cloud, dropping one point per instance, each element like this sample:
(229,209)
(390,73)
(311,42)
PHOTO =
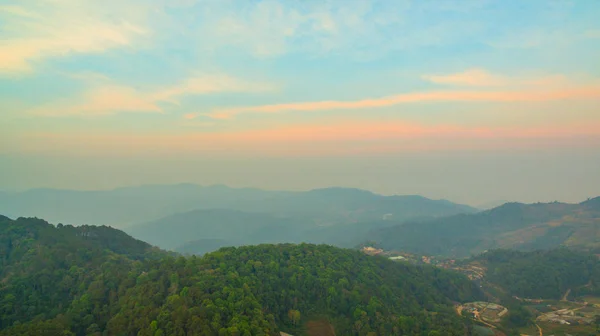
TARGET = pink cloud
(334,138)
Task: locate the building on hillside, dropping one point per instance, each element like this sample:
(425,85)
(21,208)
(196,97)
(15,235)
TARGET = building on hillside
(397,258)
(371,250)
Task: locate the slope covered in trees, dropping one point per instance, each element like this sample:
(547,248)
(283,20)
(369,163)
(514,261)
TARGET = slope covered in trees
(510,226)
(74,281)
(542,274)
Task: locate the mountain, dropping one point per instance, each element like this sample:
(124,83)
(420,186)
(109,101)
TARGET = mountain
(491,204)
(346,205)
(233,226)
(123,207)
(73,281)
(510,226)
(202,231)
(202,246)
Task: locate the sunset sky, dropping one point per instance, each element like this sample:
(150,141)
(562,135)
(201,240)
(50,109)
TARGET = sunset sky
(473,101)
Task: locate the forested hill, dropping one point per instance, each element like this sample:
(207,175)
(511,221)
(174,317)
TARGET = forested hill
(18,235)
(542,274)
(510,226)
(69,281)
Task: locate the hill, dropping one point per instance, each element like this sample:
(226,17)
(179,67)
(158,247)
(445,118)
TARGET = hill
(126,206)
(232,226)
(59,281)
(510,226)
(202,231)
(202,246)
(122,206)
(541,274)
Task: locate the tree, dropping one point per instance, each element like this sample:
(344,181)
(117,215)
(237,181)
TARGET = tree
(294,316)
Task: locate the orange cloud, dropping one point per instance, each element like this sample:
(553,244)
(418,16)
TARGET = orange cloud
(102,100)
(206,84)
(345,138)
(471,77)
(483,78)
(583,92)
(107,98)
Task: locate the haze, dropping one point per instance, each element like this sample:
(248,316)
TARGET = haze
(470,101)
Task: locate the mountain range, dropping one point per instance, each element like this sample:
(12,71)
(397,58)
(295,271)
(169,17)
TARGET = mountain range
(124,207)
(509,226)
(197,219)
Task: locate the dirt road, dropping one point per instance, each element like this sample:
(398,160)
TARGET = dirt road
(564,298)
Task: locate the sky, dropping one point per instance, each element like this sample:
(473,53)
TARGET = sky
(472,101)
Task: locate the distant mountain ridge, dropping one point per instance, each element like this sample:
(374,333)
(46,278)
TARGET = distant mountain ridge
(130,205)
(232,226)
(338,216)
(512,225)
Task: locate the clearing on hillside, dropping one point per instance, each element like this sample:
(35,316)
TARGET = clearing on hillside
(319,328)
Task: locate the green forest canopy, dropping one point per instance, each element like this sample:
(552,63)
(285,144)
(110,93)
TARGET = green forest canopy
(542,274)
(98,281)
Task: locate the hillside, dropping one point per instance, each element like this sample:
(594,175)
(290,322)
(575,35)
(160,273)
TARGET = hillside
(510,226)
(59,281)
(126,206)
(541,274)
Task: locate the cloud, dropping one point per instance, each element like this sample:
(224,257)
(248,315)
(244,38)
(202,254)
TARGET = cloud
(478,77)
(471,77)
(266,31)
(101,101)
(349,137)
(536,95)
(207,84)
(17,11)
(87,76)
(592,34)
(104,98)
(59,28)
(361,30)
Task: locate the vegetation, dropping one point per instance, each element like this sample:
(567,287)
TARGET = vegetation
(542,274)
(98,281)
(524,227)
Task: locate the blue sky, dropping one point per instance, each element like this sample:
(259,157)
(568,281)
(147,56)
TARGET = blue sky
(285,80)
